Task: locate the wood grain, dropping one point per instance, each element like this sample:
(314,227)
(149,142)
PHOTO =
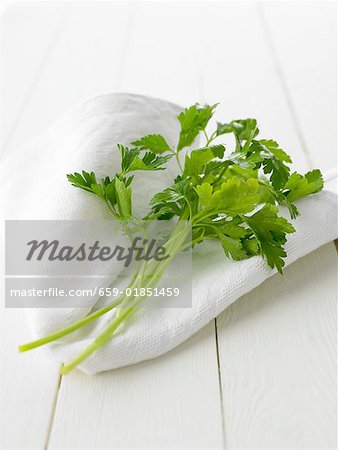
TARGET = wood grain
(28,383)
(240,74)
(24,54)
(164,54)
(91,57)
(306,55)
(85,62)
(171,402)
(278,359)
(276,352)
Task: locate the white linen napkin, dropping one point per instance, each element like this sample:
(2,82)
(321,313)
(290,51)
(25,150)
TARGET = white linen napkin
(85,138)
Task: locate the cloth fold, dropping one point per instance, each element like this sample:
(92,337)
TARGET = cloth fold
(85,138)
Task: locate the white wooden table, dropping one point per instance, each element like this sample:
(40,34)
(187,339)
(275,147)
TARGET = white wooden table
(263,374)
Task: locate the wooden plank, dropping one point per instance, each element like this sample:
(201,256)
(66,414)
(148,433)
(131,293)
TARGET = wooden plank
(303,42)
(268,394)
(171,402)
(28,384)
(278,359)
(28,35)
(164,52)
(85,62)
(80,68)
(237,71)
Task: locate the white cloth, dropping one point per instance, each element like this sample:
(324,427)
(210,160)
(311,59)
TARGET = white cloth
(85,138)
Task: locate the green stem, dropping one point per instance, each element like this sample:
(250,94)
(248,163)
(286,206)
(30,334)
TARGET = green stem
(97,343)
(75,326)
(112,210)
(209,139)
(178,161)
(156,269)
(79,323)
(151,281)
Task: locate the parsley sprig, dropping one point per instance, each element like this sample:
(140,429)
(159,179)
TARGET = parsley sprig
(230,195)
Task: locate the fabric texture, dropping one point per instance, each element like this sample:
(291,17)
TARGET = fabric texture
(85,138)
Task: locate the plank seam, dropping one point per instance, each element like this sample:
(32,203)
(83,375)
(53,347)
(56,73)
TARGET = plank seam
(53,411)
(282,79)
(220,383)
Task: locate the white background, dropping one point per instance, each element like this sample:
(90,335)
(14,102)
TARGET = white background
(263,374)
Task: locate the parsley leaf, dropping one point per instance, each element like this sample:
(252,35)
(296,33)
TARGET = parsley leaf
(193,120)
(273,159)
(232,247)
(199,158)
(131,160)
(235,196)
(223,128)
(243,129)
(231,199)
(86,181)
(123,197)
(270,231)
(299,186)
(153,142)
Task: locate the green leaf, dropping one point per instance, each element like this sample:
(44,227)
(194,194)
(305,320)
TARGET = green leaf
(268,225)
(272,158)
(279,172)
(274,255)
(232,247)
(251,246)
(245,129)
(150,161)
(199,158)
(270,230)
(166,204)
(98,190)
(153,142)
(233,228)
(169,195)
(123,197)
(299,186)
(244,173)
(131,160)
(235,196)
(273,147)
(223,128)
(204,192)
(171,201)
(193,120)
(109,190)
(86,181)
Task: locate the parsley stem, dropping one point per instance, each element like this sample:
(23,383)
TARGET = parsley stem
(97,343)
(65,331)
(79,323)
(206,138)
(178,161)
(156,272)
(112,210)
(209,139)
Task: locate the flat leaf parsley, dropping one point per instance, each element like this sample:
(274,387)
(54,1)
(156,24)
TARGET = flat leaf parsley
(227,195)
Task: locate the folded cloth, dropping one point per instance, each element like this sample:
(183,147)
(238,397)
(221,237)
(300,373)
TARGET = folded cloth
(85,139)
